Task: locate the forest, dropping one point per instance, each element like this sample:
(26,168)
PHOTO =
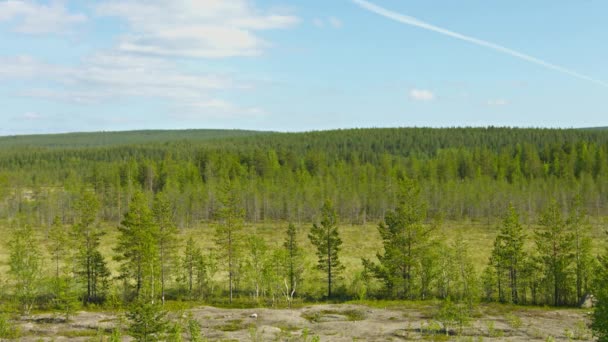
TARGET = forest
(138,221)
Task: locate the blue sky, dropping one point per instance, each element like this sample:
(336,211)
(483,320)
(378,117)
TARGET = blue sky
(300,64)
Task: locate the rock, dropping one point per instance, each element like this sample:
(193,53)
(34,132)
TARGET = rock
(588,301)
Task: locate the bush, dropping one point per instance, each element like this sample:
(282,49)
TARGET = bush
(7,329)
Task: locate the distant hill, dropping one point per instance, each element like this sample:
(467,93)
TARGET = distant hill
(596,128)
(98,139)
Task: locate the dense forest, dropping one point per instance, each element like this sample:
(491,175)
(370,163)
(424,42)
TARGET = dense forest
(538,189)
(464,172)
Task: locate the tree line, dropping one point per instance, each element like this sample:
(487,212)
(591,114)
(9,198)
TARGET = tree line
(466,173)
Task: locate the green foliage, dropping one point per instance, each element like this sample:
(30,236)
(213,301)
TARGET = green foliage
(578,224)
(147,321)
(7,329)
(554,244)
(294,261)
(25,265)
(194,268)
(452,314)
(228,232)
(599,323)
(137,249)
(405,239)
(91,267)
(162,211)
(507,258)
(326,239)
(66,299)
(194,330)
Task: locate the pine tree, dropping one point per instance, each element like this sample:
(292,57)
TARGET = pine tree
(86,234)
(294,259)
(554,244)
(228,232)
(508,254)
(583,261)
(405,240)
(58,245)
(137,248)
(167,238)
(326,238)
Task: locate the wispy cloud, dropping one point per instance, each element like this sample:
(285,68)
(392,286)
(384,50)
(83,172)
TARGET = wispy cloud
(421,95)
(33,18)
(497,102)
(404,19)
(201,29)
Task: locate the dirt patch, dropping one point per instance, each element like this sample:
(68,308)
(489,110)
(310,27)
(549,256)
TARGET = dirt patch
(335,322)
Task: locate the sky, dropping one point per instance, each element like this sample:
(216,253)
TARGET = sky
(298,65)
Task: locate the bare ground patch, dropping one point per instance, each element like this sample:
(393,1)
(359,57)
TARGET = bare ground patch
(334,322)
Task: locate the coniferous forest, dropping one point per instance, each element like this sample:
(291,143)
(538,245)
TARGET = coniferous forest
(138,221)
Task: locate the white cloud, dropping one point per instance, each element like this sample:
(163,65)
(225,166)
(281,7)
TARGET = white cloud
(34,18)
(111,75)
(327,22)
(421,95)
(497,102)
(204,28)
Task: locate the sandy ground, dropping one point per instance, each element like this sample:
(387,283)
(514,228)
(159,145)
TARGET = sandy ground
(334,322)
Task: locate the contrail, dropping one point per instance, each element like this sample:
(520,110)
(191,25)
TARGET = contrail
(418,23)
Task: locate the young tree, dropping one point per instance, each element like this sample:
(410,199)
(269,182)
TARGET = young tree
(256,263)
(405,239)
(148,321)
(326,238)
(508,254)
(194,269)
(294,259)
(167,238)
(25,265)
(583,261)
(137,248)
(227,234)
(86,234)
(465,282)
(554,243)
(58,244)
